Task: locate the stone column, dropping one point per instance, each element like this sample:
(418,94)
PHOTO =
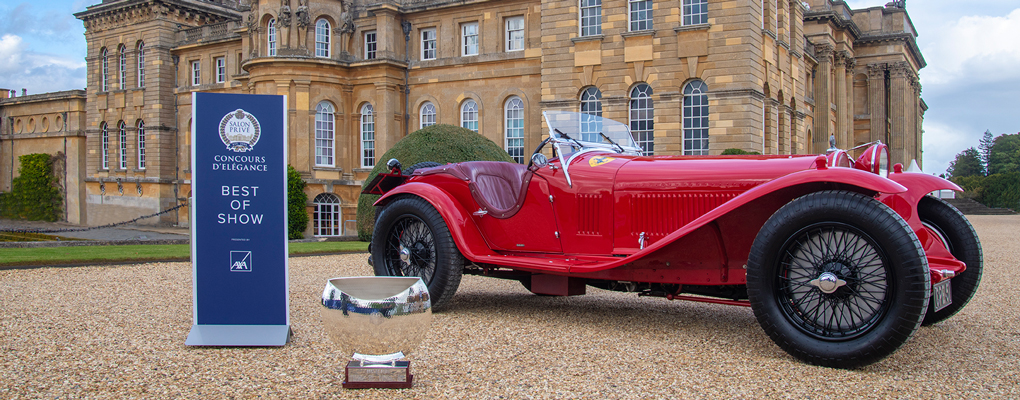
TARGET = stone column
(848,104)
(840,100)
(899,85)
(823,74)
(876,101)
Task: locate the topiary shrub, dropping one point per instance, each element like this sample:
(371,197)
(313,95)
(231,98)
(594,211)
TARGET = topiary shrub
(34,195)
(297,213)
(738,152)
(438,143)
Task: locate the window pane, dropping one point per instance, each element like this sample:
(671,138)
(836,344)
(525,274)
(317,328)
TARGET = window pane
(469,115)
(514,131)
(469,39)
(427,115)
(324,134)
(591,17)
(640,15)
(695,12)
(367,136)
(322,38)
(428,44)
(695,120)
(515,34)
(642,118)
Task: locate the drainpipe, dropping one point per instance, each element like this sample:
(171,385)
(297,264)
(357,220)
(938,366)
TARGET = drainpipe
(177,141)
(406,26)
(64,114)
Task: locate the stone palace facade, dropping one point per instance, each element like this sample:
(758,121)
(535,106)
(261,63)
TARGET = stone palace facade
(689,76)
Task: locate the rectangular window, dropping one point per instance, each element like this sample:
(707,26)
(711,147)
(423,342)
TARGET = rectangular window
(123,146)
(123,68)
(591,17)
(428,44)
(141,145)
(221,69)
(515,34)
(370,45)
(696,12)
(640,15)
(196,73)
(367,140)
(469,39)
(141,65)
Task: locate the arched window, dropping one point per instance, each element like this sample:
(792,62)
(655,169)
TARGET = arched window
(122,64)
(591,104)
(469,115)
(271,37)
(642,118)
(324,134)
(322,38)
(427,115)
(122,145)
(514,131)
(326,219)
(141,64)
(367,137)
(141,145)
(105,139)
(695,118)
(104,75)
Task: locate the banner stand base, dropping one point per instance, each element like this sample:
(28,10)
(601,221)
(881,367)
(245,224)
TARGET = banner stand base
(238,335)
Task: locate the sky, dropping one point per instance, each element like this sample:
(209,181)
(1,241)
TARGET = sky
(971,83)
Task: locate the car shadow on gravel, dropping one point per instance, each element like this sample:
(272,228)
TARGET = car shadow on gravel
(622,313)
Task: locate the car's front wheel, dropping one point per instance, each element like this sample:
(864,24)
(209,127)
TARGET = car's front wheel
(411,239)
(838,279)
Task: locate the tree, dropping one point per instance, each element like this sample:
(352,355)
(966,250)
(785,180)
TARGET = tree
(985,147)
(34,194)
(967,163)
(297,212)
(1004,155)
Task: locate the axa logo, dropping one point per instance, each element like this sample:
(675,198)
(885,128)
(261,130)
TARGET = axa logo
(240,261)
(240,131)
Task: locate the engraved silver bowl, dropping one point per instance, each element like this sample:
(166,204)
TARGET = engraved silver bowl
(376,319)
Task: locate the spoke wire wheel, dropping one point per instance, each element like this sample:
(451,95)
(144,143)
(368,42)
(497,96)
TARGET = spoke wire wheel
(839,311)
(412,239)
(838,279)
(411,249)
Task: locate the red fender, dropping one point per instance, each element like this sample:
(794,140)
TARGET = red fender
(918,186)
(465,234)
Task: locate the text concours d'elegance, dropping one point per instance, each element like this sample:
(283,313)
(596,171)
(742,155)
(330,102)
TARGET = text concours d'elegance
(239,163)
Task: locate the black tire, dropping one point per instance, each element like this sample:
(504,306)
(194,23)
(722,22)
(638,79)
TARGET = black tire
(959,237)
(424,164)
(412,225)
(838,279)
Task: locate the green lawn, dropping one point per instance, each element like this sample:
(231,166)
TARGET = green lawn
(129,253)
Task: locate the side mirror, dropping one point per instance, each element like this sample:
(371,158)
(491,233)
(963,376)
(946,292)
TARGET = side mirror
(539,160)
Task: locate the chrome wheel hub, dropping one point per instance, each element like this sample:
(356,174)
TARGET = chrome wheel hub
(405,254)
(827,282)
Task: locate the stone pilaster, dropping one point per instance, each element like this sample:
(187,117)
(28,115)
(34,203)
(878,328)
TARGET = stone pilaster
(877,102)
(842,138)
(823,75)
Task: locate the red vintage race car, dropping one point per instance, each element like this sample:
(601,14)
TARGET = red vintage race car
(840,260)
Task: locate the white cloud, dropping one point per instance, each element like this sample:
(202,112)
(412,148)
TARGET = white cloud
(37,72)
(10,54)
(941,144)
(974,48)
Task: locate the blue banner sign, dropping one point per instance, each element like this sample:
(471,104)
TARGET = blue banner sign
(239,220)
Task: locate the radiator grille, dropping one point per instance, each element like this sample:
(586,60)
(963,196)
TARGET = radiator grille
(588,214)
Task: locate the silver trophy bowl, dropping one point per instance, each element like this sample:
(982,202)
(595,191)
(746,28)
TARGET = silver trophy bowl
(376,319)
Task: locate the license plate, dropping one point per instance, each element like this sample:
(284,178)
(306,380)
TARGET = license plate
(942,294)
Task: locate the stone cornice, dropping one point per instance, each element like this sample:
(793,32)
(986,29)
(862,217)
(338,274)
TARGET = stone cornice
(117,14)
(907,38)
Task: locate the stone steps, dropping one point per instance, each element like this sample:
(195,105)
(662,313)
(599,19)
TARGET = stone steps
(971,207)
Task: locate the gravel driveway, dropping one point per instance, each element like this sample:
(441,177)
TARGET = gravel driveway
(118,332)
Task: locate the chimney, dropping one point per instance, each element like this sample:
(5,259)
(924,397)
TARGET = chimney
(24,92)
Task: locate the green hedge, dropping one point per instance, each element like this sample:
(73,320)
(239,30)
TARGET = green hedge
(1000,190)
(34,194)
(297,211)
(437,143)
(737,152)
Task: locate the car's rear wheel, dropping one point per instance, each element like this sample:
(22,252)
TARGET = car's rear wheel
(837,279)
(411,239)
(958,236)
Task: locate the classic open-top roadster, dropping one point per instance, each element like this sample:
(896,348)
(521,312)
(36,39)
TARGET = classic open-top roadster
(840,260)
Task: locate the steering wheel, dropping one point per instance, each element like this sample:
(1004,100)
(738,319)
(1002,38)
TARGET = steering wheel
(531,160)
